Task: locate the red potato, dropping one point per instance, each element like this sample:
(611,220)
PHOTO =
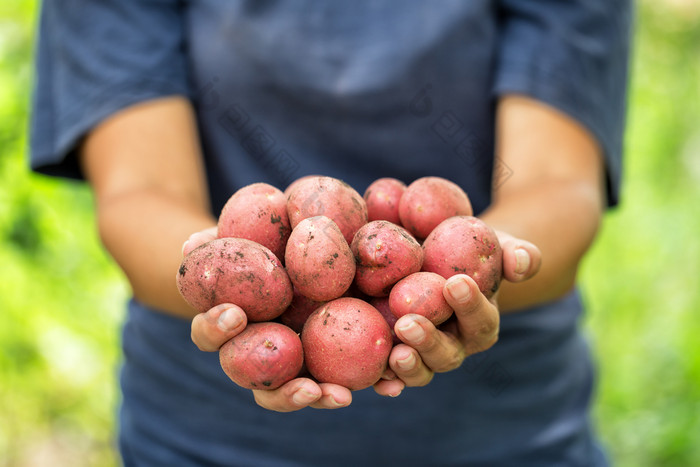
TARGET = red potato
(263,356)
(347,342)
(257,212)
(354,291)
(292,186)
(384,254)
(465,245)
(421,293)
(382,197)
(238,271)
(382,306)
(429,201)
(299,311)
(318,259)
(330,197)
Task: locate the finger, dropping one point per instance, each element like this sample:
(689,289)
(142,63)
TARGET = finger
(333,396)
(389,387)
(301,393)
(198,239)
(438,351)
(293,395)
(409,367)
(478,319)
(217,326)
(521,259)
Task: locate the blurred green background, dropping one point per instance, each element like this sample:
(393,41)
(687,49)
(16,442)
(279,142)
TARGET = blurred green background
(62,298)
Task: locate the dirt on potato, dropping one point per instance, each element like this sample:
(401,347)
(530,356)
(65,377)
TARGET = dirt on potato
(347,342)
(465,245)
(238,271)
(384,253)
(319,261)
(263,356)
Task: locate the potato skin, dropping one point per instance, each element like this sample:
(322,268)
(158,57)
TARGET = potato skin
(263,356)
(238,271)
(318,259)
(382,197)
(347,342)
(429,201)
(330,197)
(299,311)
(465,245)
(421,293)
(257,212)
(292,186)
(384,254)
(382,306)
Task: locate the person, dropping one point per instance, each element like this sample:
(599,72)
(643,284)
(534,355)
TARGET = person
(166,108)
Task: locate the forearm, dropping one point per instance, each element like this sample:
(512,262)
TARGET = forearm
(145,166)
(554,198)
(561,219)
(144,232)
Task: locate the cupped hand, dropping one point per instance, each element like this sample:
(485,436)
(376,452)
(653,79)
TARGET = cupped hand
(427,349)
(215,327)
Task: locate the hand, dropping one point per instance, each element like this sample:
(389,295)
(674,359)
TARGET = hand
(212,329)
(428,350)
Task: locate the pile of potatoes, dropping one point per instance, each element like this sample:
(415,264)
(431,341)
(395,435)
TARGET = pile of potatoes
(323,273)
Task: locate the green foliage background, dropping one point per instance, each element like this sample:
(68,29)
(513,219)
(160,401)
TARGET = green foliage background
(62,298)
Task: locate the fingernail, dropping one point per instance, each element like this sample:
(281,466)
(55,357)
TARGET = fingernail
(407,363)
(229,320)
(184,245)
(395,395)
(303,397)
(412,331)
(334,402)
(522,261)
(459,289)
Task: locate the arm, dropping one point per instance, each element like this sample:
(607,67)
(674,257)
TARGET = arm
(554,198)
(145,168)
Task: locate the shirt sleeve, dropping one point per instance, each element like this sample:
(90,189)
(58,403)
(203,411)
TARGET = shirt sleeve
(94,58)
(572,55)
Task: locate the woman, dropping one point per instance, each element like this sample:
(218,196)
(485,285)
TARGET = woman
(167,108)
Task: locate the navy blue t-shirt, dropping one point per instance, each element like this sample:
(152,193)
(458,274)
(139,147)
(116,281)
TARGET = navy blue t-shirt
(355,90)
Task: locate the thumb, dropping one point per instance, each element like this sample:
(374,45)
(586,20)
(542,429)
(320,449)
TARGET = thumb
(198,239)
(478,319)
